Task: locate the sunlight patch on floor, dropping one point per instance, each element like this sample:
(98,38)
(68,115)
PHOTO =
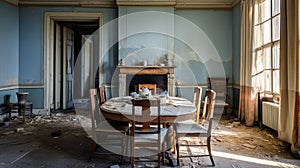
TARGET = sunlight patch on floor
(223,132)
(251,159)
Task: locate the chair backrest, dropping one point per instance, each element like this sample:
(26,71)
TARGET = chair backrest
(102,95)
(145,118)
(149,86)
(208,108)
(197,102)
(219,85)
(94,102)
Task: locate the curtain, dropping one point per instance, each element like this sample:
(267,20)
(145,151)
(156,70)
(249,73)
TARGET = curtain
(248,98)
(289,114)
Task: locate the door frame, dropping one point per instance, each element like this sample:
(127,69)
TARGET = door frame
(48,47)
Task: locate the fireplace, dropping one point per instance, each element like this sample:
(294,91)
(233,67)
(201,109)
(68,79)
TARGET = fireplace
(133,81)
(131,76)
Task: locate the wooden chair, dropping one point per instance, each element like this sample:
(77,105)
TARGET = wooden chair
(150,87)
(197,130)
(102,132)
(219,85)
(102,95)
(197,102)
(145,136)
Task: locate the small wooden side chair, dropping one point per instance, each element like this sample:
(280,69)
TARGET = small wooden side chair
(219,85)
(197,130)
(22,106)
(145,136)
(102,132)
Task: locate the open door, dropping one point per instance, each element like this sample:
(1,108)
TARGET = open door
(83,80)
(58,68)
(87,68)
(68,64)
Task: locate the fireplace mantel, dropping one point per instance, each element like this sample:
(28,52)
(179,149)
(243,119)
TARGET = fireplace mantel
(146,70)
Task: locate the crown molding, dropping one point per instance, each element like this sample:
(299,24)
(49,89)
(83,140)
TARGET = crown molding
(204,4)
(12,2)
(78,3)
(146,2)
(235,3)
(178,4)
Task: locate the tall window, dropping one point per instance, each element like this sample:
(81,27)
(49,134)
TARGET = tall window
(266,52)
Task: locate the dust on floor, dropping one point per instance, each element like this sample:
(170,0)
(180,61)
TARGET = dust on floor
(60,141)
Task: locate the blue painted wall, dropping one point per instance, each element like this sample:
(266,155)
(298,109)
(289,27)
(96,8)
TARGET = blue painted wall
(142,38)
(217,26)
(9,45)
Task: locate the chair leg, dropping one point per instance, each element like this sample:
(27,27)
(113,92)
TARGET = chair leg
(94,148)
(158,160)
(177,151)
(124,148)
(9,111)
(163,154)
(31,110)
(23,109)
(209,151)
(132,152)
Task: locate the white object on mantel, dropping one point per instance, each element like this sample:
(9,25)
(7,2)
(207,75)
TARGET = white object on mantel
(170,59)
(145,91)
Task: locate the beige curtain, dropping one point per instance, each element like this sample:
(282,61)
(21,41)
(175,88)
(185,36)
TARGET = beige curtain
(289,74)
(247,107)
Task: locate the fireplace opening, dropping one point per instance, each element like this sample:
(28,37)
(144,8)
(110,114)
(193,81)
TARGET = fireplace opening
(134,80)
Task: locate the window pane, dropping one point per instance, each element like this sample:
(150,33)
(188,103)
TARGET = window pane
(276,82)
(257,15)
(275,7)
(254,62)
(258,36)
(257,81)
(266,9)
(268,80)
(266,32)
(259,61)
(276,55)
(276,28)
(267,58)
(254,69)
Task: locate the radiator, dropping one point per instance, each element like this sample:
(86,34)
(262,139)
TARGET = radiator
(270,115)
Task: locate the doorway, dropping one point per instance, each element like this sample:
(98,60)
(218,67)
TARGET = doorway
(66,33)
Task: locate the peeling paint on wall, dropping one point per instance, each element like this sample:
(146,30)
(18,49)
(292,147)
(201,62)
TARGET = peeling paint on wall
(11,82)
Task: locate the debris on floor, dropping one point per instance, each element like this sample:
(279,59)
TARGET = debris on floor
(43,141)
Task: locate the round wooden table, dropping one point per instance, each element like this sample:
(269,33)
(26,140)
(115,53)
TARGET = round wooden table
(172,109)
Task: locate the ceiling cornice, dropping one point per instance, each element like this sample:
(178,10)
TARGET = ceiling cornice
(202,4)
(181,4)
(13,2)
(77,3)
(178,4)
(146,2)
(235,3)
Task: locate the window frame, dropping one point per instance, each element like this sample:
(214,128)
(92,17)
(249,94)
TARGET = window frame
(258,23)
